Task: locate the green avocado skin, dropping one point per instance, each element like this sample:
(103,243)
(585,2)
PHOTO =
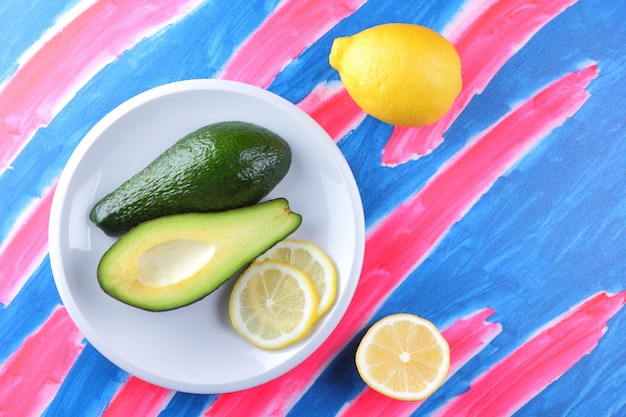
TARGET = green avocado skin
(218,167)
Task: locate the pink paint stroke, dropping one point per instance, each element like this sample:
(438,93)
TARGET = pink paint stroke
(445,199)
(484,45)
(397,245)
(282,37)
(31,377)
(25,248)
(139,398)
(333,109)
(537,363)
(118,27)
(466,338)
(32,97)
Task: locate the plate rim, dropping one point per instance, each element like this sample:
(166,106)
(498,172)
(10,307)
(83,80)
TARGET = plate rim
(60,199)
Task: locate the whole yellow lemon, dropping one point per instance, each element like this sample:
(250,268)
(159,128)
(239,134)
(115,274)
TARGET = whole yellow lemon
(402,74)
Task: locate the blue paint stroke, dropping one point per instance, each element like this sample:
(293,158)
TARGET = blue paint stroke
(28,311)
(89,386)
(550,233)
(183,404)
(22,25)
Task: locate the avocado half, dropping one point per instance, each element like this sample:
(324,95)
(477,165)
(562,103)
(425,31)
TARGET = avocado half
(173,261)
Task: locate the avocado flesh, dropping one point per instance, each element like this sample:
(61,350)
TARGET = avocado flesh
(218,167)
(173,261)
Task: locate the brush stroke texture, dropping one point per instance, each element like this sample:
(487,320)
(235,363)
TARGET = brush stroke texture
(24,249)
(504,27)
(24,26)
(525,372)
(47,81)
(414,229)
(89,387)
(142,398)
(566,236)
(405,237)
(31,376)
(282,37)
(333,109)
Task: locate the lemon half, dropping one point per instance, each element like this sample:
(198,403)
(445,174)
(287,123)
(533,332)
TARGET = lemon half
(403,356)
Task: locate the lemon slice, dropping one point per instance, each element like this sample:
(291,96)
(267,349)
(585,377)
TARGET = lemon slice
(273,304)
(404,357)
(311,260)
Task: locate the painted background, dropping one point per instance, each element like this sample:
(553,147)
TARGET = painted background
(505,223)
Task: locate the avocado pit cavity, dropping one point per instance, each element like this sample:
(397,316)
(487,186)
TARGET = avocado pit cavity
(172,261)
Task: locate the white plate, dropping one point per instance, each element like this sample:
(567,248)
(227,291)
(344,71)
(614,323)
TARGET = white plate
(195,349)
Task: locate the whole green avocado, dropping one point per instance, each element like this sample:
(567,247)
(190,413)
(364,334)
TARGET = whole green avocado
(218,167)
